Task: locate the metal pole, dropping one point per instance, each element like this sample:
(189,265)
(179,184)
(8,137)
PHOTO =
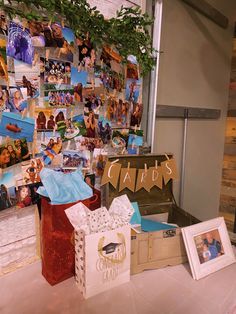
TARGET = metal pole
(181,194)
(154,76)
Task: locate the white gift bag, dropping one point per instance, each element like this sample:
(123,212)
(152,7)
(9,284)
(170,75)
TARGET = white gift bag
(102,260)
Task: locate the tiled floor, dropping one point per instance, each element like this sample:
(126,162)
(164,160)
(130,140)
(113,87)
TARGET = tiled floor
(169,290)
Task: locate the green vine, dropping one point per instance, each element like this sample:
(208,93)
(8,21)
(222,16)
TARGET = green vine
(128,32)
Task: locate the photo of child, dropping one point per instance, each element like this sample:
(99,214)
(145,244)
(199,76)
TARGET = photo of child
(208,246)
(19,45)
(27,195)
(17,102)
(7,191)
(31,170)
(13,152)
(55,72)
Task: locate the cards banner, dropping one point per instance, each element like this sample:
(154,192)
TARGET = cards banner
(155,175)
(143,180)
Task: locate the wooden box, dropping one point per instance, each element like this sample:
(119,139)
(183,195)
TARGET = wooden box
(151,250)
(19,238)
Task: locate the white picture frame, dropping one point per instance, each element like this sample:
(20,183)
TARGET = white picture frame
(208,247)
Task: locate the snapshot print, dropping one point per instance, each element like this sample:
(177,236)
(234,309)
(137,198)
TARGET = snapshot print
(31,170)
(76,159)
(3,24)
(209,246)
(59,98)
(19,45)
(17,101)
(118,112)
(27,195)
(55,72)
(136,115)
(120,138)
(7,191)
(28,77)
(132,68)
(132,90)
(13,152)
(87,55)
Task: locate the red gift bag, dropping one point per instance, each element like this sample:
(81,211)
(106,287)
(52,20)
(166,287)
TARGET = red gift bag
(57,239)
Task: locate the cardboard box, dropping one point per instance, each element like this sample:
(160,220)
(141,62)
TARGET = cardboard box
(151,250)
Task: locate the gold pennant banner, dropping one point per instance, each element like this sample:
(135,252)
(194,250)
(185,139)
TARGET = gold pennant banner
(111,173)
(127,179)
(169,170)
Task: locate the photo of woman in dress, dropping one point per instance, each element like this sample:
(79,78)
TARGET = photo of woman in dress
(90,123)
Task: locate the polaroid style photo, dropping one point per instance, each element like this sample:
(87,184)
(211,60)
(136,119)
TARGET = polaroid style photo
(19,45)
(7,191)
(13,152)
(3,62)
(50,119)
(75,159)
(28,77)
(16,127)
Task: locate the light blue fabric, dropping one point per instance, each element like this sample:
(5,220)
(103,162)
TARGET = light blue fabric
(64,188)
(150,225)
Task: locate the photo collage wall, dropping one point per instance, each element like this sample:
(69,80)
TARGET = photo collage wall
(63,104)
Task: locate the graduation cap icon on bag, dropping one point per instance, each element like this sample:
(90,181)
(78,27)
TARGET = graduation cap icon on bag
(111,247)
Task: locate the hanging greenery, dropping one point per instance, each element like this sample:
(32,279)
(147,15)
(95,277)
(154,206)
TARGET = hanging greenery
(128,32)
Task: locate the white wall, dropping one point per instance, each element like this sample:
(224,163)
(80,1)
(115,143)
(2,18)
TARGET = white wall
(194,71)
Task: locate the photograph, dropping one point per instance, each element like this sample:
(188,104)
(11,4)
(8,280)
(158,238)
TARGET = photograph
(87,55)
(118,112)
(3,24)
(135,138)
(52,149)
(13,152)
(78,81)
(36,30)
(120,138)
(109,55)
(209,246)
(31,170)
(136,115)
(132,71)
(50,119)
(110,79)
(91,123)
(132,90)
(55,72)
(74,159)
(99,161)
(28,77)
(85,143)
(17,101)
(27,195)
(3,62)
(104,129)
(89,178)
(7,191)
(19,45)
(59,98)
(5,103)
(93,102)
(14,126)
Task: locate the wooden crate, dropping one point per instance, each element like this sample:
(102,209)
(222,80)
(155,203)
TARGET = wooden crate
(151,250)
(19,238)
